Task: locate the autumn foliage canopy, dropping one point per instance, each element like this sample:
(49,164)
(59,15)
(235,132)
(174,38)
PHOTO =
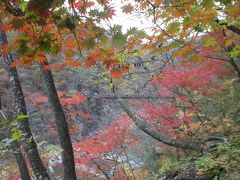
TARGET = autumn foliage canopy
(186,57)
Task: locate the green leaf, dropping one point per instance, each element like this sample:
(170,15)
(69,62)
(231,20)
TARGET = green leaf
(22,5)
(142,34)
(54,49)
(235,52)
(119,40)
(132,31)
(15,122)
(22,43)
(44,42)
(19,117)
(187,21)
(225,2)
(200,27)
(93,12)
(122,56)
(173,27)
(17,134)
(17,23)
(116,29)
(207,42)
(90,43)
(33,17)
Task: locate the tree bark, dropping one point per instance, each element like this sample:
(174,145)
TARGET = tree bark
(123,96)
(62,126)
(235,67)
(27,140)
(234,29)
(15,146)
(150,130)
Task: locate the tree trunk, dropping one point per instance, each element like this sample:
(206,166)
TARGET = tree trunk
(28,142)
(62,126)
(15,146)
(149,129)
(234,29)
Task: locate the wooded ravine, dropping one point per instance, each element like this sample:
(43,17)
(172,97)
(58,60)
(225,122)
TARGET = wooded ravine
(83,98)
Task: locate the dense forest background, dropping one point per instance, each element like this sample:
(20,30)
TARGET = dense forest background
(83,98)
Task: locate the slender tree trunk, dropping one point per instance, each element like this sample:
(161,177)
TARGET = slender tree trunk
(148,129)
(234,29)
(20,161)
(62,126)
(28,142)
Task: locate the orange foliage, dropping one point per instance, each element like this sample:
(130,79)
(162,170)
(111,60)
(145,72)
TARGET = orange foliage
(4,48)
(117,133)
(117,73)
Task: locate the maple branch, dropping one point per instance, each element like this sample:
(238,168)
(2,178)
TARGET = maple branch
(100,169)
(58,30)
(234,29)
(150,130)
(232,61)
(164,32)
(13,9)
(128,161)
(124,96)
(1,111)
(230,27)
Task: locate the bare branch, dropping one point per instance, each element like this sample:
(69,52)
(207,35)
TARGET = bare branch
(150,130)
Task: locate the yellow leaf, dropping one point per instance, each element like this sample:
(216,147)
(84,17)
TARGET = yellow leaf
(228,42)
(233,11)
